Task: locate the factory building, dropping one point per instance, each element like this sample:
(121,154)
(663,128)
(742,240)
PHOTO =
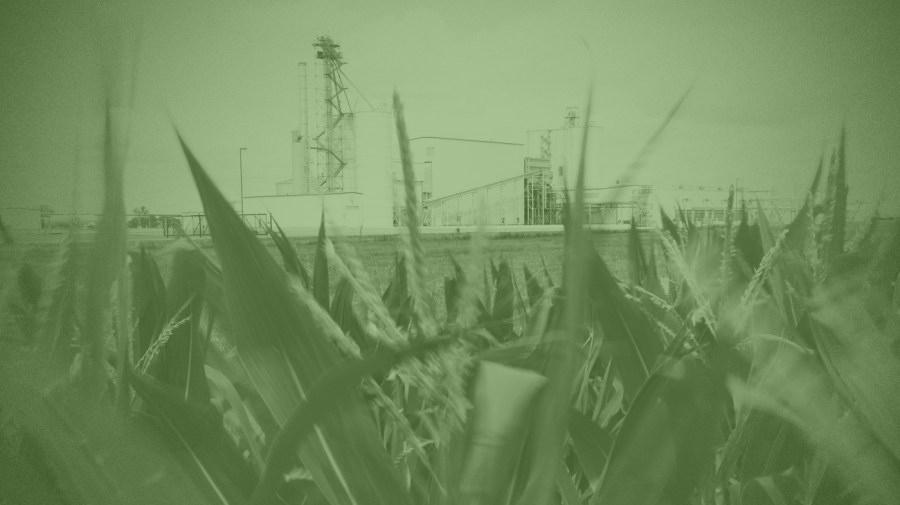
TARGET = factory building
(343,161)
(365,194)
(346,163)
(450,168)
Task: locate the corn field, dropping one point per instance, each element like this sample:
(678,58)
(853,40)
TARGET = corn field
(753,364)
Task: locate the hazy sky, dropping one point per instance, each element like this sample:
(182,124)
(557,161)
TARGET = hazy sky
(773,83)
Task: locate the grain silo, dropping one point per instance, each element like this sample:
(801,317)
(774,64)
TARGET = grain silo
(341,158)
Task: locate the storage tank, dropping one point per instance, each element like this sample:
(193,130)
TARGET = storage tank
(373,132)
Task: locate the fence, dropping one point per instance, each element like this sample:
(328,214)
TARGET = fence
(197,225)
(34,220)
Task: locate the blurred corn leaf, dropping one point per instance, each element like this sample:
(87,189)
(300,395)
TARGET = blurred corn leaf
(4,233)
(324,399)
(557,358)
(501,320)
(107,264)
(770,446)
(592,444)
(858,356)
(230,401)
(464,306)
(568,491)
(181,364)
(343,314)
(669,226)
(502,401)
(292,262)
(68,451)
(775,280)
(794,386)
(533,288)
(834,223)
(320,268)
(630,338)
(196,430)
(641,265)
(148,299)
(59,314)
(284,341)
(667,441)
(884,284)
(423,319)
(24,305)
(396,295)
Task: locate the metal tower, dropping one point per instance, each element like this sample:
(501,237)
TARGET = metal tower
(571,118)
(642,214)
(333,141)
(545,146)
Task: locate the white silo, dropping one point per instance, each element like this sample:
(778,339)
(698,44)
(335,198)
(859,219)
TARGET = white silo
(566,149)
(374,175)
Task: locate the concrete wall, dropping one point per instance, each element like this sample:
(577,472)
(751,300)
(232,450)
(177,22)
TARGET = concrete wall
(304,211)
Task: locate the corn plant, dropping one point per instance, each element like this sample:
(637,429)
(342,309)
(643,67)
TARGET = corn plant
(748,364)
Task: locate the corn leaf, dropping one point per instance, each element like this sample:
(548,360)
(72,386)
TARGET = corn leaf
(630,339)
(501,321)
(292,262)
(533,288)
(858,357)
(641,266)
(794,386)
(502,398)
(284,342)
(667,439)
(343,314)
(320,269)
(670,227)
(197,429)
(221,387)
(82,453)
(4,233)
(423,318)
(58,318)
(148,299)
(567,489)
(558,360)
(592,445)
(325,399)
(396,296)
(107,263)
(835,221)
(182,362)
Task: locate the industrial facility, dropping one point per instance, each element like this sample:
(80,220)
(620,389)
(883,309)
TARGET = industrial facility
(346,163)
(343,161)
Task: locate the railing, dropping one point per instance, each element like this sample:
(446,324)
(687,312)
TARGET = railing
(197,225)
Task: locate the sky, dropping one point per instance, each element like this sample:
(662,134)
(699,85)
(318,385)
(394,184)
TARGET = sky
(771,84)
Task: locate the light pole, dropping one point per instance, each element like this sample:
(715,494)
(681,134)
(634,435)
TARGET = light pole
(241,158)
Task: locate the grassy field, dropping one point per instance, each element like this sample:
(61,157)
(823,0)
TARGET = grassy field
(540,253)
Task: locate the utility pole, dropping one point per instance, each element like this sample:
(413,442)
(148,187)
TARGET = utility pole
(241,158)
